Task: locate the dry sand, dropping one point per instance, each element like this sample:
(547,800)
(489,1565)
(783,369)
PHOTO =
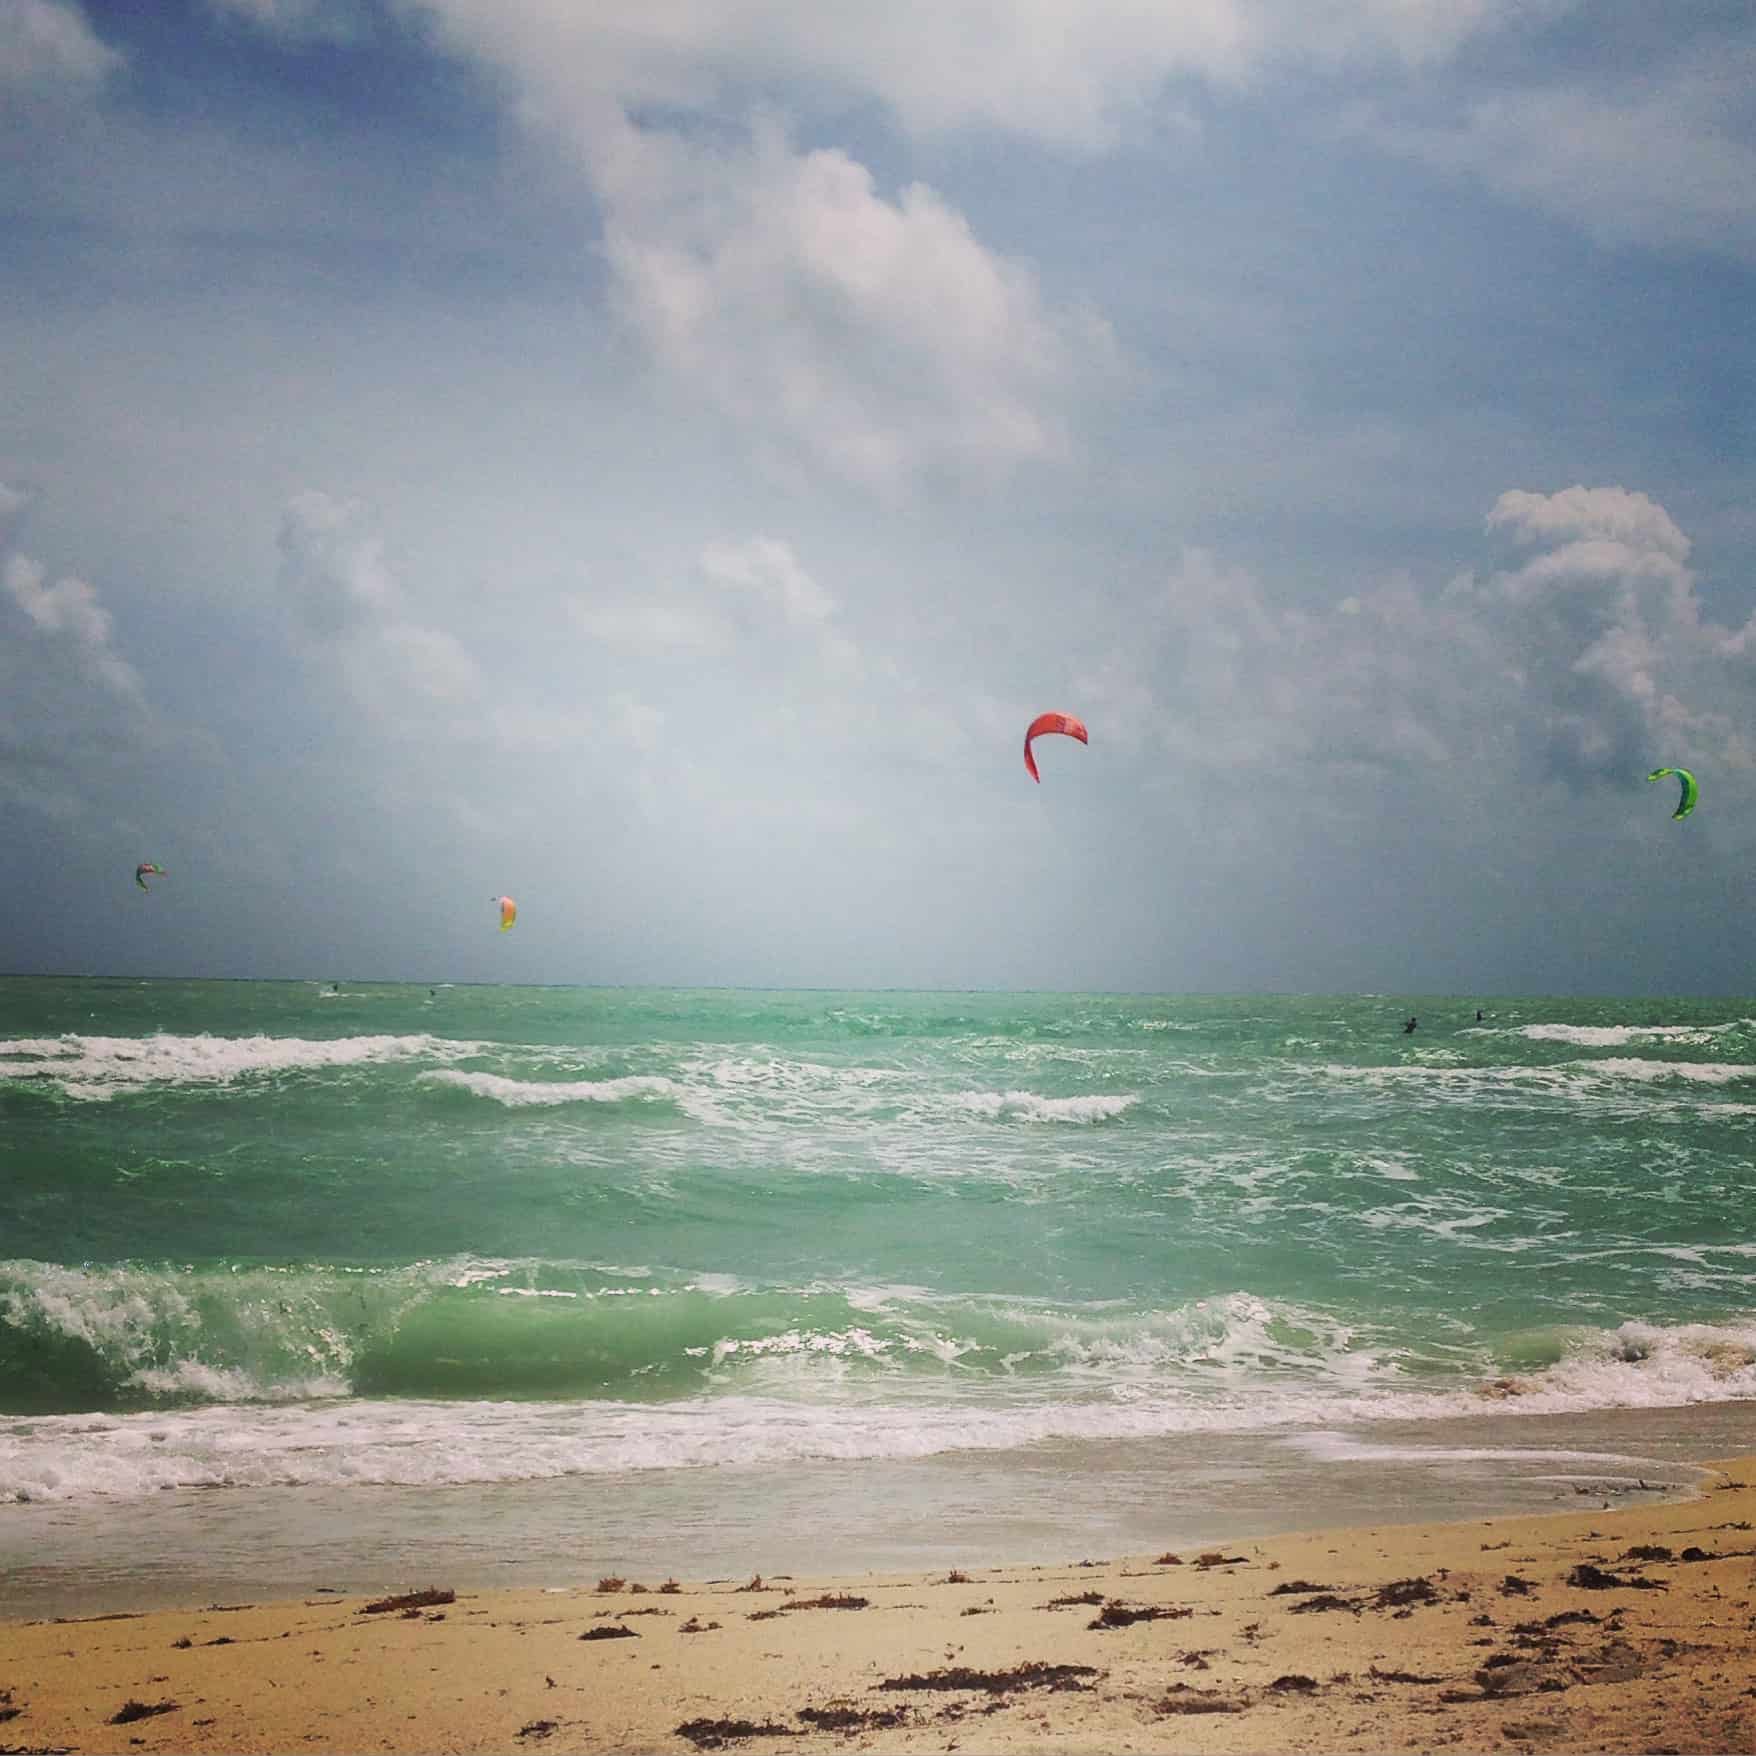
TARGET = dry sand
(1604,1630)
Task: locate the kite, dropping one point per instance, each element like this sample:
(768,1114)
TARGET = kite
(1050,722)
(508,913)
(1691,792)
(145,869)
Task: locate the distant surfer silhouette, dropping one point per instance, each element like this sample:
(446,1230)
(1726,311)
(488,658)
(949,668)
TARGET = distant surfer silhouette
(1478,1015)
(1408,1029)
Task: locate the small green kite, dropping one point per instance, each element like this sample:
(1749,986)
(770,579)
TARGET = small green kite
(1691,792)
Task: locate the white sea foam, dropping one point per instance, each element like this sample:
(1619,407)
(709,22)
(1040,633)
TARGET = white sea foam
(1262,1367)
(411,1443)
(97,1068)
(254,1335)
(517,1094)
(1703,1072)
(1601,1082)
(1028,1106)
(1610,1036)
(195,1381)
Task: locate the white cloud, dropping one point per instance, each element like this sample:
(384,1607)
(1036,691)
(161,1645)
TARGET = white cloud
(335,574)
(333,566)
(1630,520)
(757,587)
(865,332)
(70,608)
(871,335)
(879,337)
(768,569)
(72,709)
(1069,71)
(48,49)
(431,662)
(1586,664)
(1664,157)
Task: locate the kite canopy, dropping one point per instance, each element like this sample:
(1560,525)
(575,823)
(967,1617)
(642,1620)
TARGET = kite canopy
(145,870)
(1691,792)
(1050,722)
(508,913)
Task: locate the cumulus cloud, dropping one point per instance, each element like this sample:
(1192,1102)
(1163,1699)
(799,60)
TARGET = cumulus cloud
(865,331)
(47,49)
(70,704)
(1586,664)
(69,612)
(1632,521)
(869,333)
(876,335)
(334,573)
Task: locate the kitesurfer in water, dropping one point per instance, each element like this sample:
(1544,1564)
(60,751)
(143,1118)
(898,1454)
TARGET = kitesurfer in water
(1408,1029)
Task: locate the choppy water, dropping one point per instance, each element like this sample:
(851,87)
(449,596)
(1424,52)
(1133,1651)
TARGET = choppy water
(267,1237)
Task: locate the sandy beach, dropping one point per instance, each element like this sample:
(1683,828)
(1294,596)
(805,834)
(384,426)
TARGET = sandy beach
(1603,1629)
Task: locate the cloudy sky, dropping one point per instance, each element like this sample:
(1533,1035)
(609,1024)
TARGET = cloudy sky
(654,457)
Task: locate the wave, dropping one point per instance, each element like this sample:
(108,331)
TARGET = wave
(76,1340)
(85,1338)
(1611,1036)
(421,1441)
(517,1094)
(97,1068)
(1027,1106)
(1609,1080)
(1703,1072)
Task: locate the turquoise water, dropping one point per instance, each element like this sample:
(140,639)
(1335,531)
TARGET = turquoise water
(268,1237)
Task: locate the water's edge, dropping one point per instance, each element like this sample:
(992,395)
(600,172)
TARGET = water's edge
(1051,1504)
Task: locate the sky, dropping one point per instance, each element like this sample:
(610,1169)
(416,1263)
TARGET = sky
(654,457)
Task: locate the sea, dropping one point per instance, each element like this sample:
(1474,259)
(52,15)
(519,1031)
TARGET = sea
(347,1285)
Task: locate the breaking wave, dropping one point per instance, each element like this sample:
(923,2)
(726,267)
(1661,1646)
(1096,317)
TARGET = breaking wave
(1027,1106)
(325,1439)
(96,1068)
(518,1094)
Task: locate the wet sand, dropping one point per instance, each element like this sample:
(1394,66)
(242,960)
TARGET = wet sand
(1602,1629)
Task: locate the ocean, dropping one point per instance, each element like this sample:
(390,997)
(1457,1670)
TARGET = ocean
(332,1283)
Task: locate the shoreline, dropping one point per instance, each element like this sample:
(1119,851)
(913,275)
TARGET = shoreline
(1046,1503)
(1595,1629)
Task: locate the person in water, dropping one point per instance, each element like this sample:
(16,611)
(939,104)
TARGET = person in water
(1478,1015)
(1408,1029)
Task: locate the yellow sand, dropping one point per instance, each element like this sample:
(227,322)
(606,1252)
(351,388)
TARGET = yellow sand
(1493,1648)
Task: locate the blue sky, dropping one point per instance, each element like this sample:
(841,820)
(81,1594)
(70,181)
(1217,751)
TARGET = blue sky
(655,458)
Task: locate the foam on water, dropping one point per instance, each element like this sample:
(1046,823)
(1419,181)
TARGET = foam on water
(98,1067)
(848,1225)
(351,1441)
(1029,1106)
(517,1094)
(1609,1036)
(1701,1072)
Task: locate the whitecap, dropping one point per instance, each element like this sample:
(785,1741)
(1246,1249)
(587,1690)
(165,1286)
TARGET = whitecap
(526,1093)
